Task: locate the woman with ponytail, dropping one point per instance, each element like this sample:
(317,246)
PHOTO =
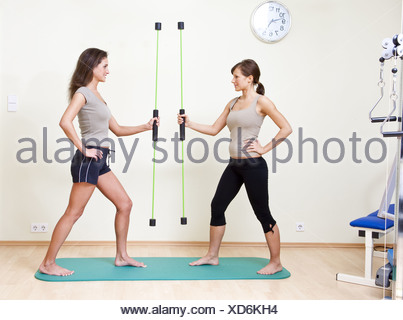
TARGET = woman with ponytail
(244,116)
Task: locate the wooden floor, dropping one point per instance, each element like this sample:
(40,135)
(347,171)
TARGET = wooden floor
(313,276)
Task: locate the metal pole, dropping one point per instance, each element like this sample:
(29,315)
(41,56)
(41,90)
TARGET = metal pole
(397,287)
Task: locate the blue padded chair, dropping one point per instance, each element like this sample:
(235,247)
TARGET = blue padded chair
(371,227)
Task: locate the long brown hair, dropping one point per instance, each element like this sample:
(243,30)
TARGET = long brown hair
(248,68)
(83,74)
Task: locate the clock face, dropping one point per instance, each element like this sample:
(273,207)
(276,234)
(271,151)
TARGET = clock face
(271,21)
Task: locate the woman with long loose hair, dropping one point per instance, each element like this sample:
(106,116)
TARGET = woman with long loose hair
(89,167)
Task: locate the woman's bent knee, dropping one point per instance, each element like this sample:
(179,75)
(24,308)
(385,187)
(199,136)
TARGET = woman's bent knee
(125,206)
(74,214)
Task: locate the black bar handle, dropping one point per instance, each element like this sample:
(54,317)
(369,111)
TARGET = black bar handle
(382,119)
(182,126)
(181,25)
(392,134)
(155,127)
(158,26)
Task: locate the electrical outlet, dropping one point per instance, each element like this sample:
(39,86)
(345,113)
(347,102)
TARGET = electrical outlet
(34,227)
(300,227)
(39,227)
(43,227)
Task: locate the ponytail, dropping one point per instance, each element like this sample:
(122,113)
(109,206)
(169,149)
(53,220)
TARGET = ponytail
(260,88)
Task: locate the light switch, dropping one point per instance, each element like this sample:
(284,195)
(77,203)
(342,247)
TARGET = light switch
(12,103)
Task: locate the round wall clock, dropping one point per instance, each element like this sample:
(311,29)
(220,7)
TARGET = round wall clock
(271,21)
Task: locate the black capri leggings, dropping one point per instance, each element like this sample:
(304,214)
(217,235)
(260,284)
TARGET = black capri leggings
(254,173)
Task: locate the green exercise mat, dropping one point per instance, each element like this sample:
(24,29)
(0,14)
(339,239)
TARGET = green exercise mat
(162,268)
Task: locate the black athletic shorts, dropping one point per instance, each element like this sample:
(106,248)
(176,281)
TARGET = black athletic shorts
(85,169)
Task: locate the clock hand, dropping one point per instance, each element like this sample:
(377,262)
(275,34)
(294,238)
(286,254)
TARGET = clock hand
(273,20)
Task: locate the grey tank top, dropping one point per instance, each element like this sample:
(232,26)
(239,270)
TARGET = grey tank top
(93,119)
(244,125)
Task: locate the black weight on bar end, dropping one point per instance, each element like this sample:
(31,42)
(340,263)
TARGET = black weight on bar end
(153,222)
(184,220)
(155,127)
(182,126)
(181,25)
(158,26)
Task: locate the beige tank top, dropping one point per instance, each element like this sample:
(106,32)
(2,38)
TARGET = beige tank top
(244,125)
(93,119)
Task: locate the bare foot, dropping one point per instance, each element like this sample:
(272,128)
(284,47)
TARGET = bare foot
(214,261)
(54,270)
(271,268)
(127,261)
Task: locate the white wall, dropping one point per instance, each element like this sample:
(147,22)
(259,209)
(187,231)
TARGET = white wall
(322,77)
